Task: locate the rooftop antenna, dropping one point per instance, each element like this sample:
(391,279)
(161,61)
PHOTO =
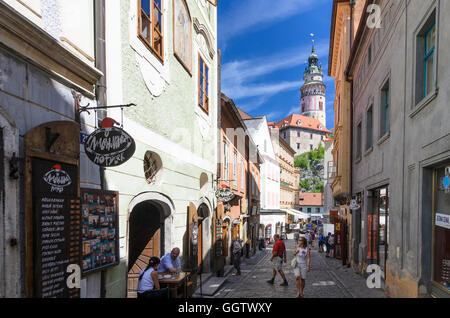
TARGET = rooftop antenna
(312,35)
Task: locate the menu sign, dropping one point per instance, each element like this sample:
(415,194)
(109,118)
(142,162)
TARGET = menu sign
(109,147)
(57,227)
(100,229)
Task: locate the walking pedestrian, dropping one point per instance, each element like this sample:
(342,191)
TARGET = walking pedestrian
(296,236)
(331,243)
(278,256)
(308,237)
(327,244)
(303,255)
(237,253)
(313,239)
(321,243)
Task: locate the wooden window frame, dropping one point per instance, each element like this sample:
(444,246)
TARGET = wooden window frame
(202,88)
(428,54)
(144,40)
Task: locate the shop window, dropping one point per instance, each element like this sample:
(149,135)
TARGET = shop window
(150,20)
(203,87)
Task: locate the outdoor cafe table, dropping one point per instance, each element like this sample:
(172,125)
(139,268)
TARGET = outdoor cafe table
(177,286)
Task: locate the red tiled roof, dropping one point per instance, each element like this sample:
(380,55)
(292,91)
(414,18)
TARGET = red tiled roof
(311,199)
(301,122)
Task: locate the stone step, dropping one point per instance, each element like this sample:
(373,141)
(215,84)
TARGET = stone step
(210,287)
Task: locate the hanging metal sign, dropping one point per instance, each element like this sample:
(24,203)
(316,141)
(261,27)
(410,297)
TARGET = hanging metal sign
(109,147)
(354,205)
(225,195)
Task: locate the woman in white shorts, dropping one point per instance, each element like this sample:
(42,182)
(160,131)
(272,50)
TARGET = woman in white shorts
(303,266)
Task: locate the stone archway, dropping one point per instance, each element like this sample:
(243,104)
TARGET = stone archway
(10,257)
(149,233)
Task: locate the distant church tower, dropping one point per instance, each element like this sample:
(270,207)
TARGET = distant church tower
(313,102)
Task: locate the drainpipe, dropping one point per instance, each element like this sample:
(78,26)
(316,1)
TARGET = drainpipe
(100,89)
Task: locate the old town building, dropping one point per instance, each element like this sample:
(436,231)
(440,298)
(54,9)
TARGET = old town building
(162,56)
(346,15)
(270,173)
(313,98)
(50,66)
(302,133)
(239,171)
(398,77)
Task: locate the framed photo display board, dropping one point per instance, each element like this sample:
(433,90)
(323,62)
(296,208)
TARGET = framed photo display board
(100,230)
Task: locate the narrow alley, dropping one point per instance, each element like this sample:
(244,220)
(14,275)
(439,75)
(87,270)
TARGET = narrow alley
(327,279)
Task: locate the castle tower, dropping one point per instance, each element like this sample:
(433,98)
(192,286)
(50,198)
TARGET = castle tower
(313,103)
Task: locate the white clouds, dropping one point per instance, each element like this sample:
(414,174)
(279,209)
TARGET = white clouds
(238,76)
(259,14)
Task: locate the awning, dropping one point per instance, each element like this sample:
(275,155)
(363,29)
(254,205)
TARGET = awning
(298,214)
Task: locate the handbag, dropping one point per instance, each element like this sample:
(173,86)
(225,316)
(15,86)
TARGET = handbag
(294,262)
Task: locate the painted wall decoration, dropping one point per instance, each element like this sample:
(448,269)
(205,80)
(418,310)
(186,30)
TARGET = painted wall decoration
(100,232)
(182,34)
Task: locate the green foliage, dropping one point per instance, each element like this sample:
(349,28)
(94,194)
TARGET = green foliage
(308,162)
(302,162)
(305,184)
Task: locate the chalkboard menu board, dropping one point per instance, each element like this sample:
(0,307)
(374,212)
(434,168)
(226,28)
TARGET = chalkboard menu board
(57,227)
(99,230)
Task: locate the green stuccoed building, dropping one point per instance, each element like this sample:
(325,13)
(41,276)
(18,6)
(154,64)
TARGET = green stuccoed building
(162,56)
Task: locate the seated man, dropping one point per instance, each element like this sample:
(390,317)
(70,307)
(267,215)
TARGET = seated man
(170,263)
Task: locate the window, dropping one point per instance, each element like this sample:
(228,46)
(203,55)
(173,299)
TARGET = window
(321,106)
(298,134)
(150,25)
(309,210)
(253,183)
(426,59)
(298,146)
(369,128)
(311,147)
(203,87)
(429,60)
(384,110)
(358,141)
(312,136)
(235,170)
(318,210)
(242,175)
(226,176)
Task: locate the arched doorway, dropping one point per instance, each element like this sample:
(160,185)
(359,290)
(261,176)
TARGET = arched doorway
(203,215)
(148,234)
(9,207)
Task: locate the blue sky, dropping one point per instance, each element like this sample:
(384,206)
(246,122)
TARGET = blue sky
(264,45)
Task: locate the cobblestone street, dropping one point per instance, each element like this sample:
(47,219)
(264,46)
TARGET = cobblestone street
(327,279)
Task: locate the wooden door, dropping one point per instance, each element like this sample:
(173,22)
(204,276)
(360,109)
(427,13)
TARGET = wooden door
(200,245)
(151,249)
(225,239)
